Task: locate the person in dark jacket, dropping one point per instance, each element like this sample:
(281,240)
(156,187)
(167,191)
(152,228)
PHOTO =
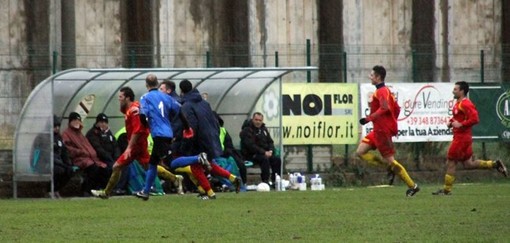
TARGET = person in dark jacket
(258,146)
(83,155)
(108,149)
(62,165)
(103,141)
(207,131)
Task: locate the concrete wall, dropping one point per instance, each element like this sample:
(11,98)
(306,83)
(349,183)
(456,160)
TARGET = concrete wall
(372,29)
(188,29)
(97,33)
(283,27)
(467,27)
(377,28)
(93,34)
(181,35)
(14,73)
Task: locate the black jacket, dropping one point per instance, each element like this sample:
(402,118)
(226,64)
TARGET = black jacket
(205,125)
(255,140)
(41,164)
(104,143)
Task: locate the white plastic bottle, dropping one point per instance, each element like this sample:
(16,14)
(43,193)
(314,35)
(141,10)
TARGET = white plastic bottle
(278,182)
(292,181)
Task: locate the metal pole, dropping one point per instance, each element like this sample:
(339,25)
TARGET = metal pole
(281,130)
(208,59)
(132,59)
(308,60)
(346,153)
(280,85)
(413,60)
(54,63)
(309,154)
(482,65)
(276,59)
(52,139)
(482,80)
(345,66)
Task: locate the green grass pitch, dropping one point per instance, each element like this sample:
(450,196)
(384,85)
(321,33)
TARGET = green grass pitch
(478,212)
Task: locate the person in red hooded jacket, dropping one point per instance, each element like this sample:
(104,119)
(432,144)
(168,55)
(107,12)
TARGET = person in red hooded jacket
(384,111)
(465,116)
(84,156)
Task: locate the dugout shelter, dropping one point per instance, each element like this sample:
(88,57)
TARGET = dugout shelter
(234,93)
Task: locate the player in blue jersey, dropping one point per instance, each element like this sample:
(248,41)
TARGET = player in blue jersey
(156,108)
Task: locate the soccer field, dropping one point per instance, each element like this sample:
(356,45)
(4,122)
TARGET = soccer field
(477,212)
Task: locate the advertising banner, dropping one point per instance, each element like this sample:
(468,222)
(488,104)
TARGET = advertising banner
(492,103)
(425,110)
(320,113)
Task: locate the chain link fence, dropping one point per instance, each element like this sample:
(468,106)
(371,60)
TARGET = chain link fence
(24,67)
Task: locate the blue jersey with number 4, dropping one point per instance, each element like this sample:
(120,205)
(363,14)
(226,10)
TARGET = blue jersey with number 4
(157,107)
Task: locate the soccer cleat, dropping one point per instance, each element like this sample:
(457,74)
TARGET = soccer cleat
(178,184)
(202,159)
(99,193)
(391,176)
(501,168)
(142,195)
(442,192)
(237,183)
(155,192)
(119,192)
(411,191)
(205,197)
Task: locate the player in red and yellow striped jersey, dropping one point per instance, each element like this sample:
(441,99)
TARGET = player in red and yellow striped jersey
(137,145)
(465,116)
(384,112)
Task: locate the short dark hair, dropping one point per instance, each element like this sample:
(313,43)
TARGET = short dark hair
(380,70)
(168,84)
(463,85)
(128,92)
(151,80)
(185,86)
(257,114)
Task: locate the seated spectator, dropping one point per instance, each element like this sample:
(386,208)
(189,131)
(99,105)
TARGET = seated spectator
(229,150)
(84,156)
(62,166)
(258,146)
(107,148)
(103,141)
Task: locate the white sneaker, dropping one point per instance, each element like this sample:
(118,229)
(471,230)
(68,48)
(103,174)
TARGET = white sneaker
(178,184)
(99,193)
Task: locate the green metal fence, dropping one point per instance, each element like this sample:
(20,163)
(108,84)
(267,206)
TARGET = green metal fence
(471,63)
(337,63)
